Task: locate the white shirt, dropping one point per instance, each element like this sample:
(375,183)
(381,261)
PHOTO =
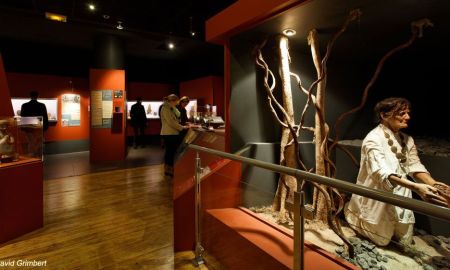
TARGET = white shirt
(378,161)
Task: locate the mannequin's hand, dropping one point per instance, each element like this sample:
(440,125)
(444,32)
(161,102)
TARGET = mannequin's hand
(430,194)
(443,190)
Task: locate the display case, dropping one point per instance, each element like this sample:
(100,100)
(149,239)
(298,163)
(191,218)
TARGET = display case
(152,108)
(21,138)
(191,108)
(50,103)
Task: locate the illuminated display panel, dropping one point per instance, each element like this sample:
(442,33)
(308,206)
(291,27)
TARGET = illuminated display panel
(152,108)
(50,103)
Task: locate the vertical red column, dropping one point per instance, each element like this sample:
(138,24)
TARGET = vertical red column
(227,94)
(107,140)
(5,98)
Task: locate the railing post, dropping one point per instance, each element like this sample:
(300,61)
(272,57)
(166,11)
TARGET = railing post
(299,232)
(198,260)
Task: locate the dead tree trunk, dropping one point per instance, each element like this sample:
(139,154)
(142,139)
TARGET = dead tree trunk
(287,184)
(319,202)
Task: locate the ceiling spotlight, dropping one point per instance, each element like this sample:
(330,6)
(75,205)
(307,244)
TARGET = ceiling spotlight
(171,45)
(289,32)
(106,16)
(191,28)
(91,7)
(119,25)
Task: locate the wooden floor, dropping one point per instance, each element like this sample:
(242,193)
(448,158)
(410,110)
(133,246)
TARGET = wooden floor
(118,219)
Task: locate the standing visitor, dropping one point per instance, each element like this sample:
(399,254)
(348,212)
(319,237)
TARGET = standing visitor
(138,122)
(184,101)
(170,131)
(35,108)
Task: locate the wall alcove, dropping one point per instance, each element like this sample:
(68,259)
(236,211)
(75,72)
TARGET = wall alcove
(414,73)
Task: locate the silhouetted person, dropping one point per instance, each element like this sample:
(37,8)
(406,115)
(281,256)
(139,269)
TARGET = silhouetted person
(35,139)
(35,108)
(138,122)
(184,101)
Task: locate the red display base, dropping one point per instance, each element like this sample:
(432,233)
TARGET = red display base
(21,198)
(240,240)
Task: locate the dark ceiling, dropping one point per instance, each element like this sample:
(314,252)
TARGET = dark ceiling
(27,38)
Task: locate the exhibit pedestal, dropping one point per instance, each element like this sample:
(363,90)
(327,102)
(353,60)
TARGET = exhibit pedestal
(183,186)
(21,198)
(240,240)
(234,236)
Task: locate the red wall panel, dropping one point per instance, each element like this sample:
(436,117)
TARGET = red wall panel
(108,144)
(219,95)
(149,91)
(242,15)
(50,86)
(21,198)
(207,90)
(5,103)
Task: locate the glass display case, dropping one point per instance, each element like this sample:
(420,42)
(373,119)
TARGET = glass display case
(8,137)
(152,108)
(21,138)
(191,108)
(50,103)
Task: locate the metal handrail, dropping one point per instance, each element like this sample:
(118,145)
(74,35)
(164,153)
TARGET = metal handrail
(408,203)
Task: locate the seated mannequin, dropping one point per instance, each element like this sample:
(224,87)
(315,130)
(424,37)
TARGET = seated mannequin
(389,159)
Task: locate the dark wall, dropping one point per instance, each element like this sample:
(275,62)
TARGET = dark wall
(251,120)
(39,58)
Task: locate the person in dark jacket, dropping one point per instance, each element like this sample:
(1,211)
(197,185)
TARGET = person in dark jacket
(35,141)
(184,101)
(138,122)
(35,108)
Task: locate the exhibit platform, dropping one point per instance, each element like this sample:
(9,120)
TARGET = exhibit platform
(240,240)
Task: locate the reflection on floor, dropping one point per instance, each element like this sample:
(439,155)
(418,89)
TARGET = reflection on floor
(73,164)
(118,219)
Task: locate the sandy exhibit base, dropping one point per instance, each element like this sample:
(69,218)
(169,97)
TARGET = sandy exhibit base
(427,252)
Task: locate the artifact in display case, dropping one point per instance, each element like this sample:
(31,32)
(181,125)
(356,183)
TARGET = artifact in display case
(50,103)
(212,122)
(8,135)
(31,136)
(21,138)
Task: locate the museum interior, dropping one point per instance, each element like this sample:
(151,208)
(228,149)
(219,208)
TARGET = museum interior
(281,98)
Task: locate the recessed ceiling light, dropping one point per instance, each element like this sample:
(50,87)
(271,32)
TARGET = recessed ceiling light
(119,25)
(289,32)
(55,17)
(91,7)
(171,45)
(193,33)
(106,16)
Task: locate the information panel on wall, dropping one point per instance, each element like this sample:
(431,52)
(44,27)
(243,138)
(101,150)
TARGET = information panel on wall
(101,108)
(70,110)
